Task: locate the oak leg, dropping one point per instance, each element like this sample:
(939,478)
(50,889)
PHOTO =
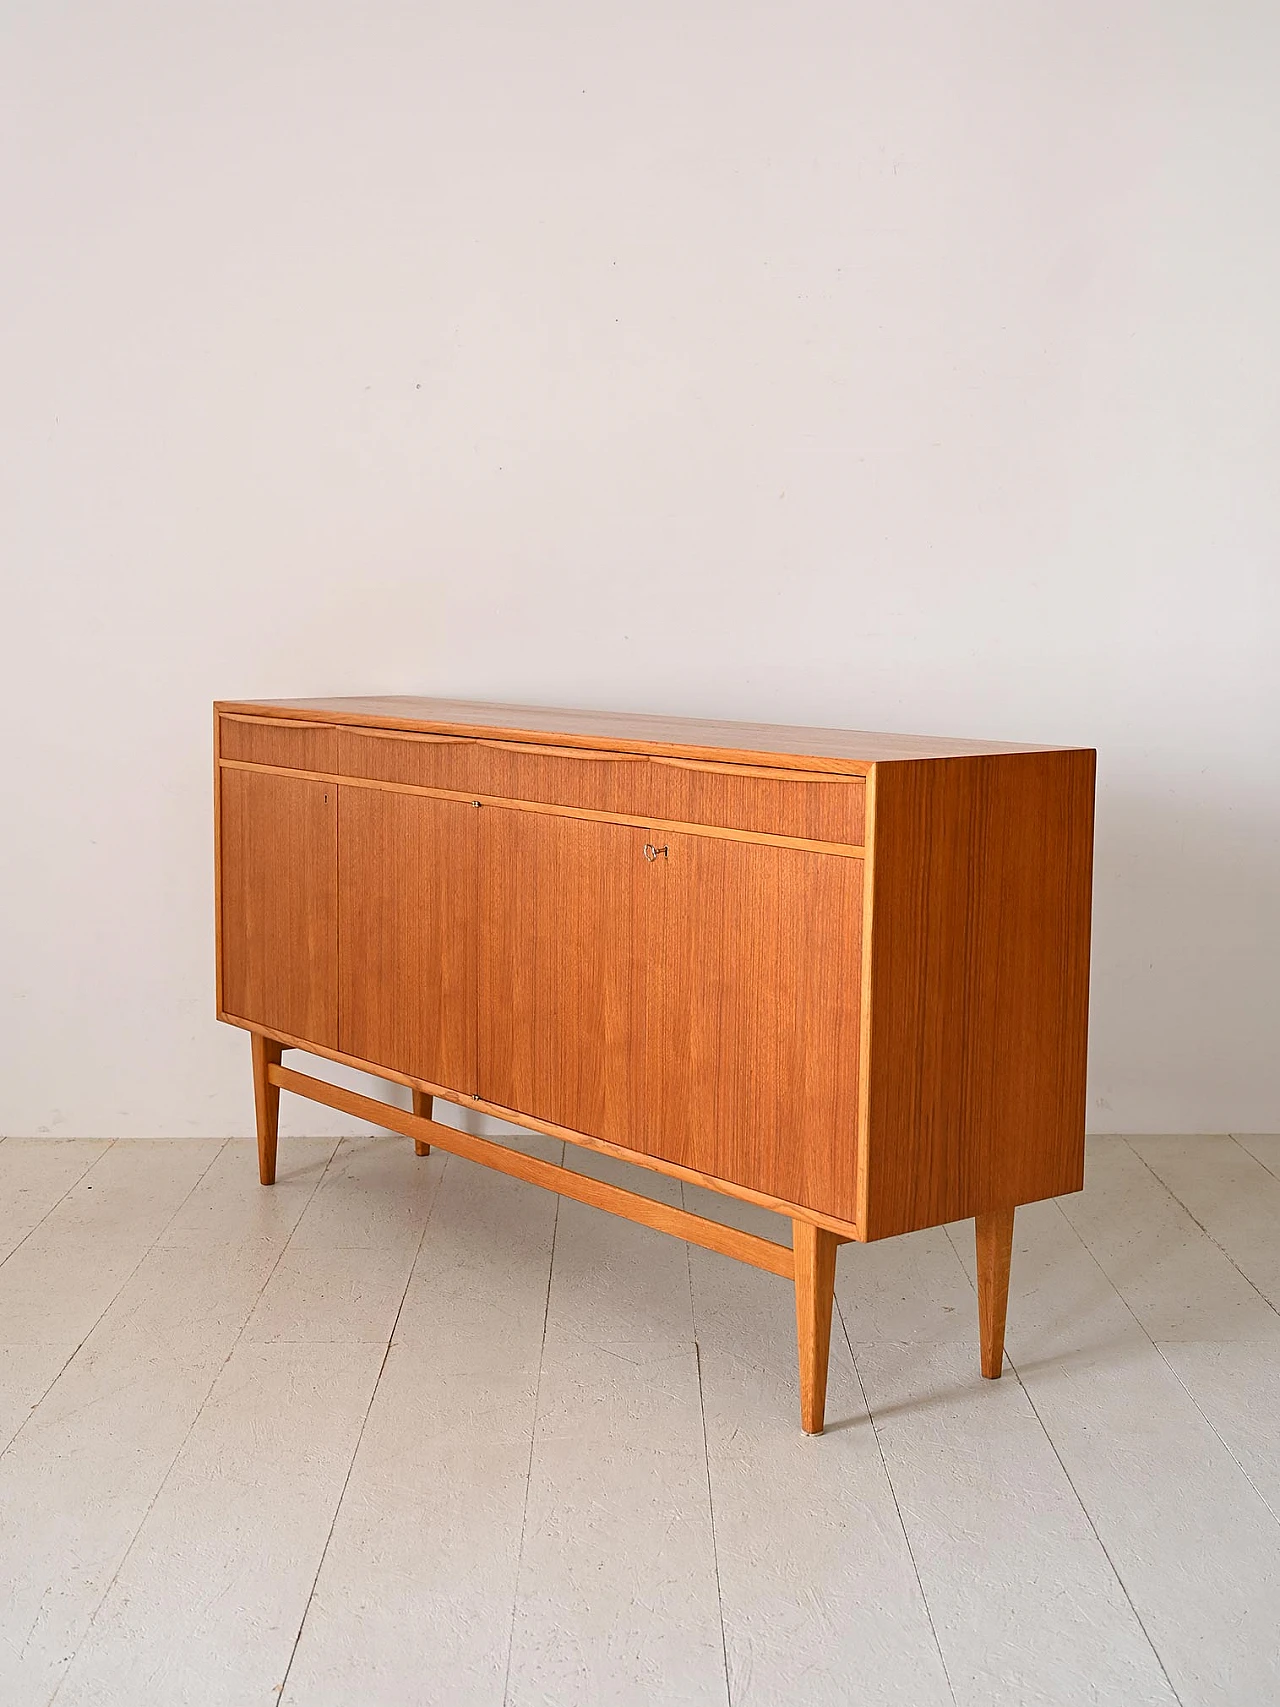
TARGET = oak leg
(266,1103)
(815,1260)
(422,1106)
(995,1247)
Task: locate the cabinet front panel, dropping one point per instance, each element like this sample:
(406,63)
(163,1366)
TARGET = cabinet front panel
(561,928)
(406,906)
(279,906)
(751,1045)
(291,746)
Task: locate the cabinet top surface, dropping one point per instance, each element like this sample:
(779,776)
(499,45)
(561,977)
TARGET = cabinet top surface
(849,750)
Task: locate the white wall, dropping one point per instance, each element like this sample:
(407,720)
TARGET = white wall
(905,366)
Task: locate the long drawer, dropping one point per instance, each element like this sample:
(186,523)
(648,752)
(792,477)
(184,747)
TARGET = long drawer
(640,787)
(280,743)
(670,790)
(741,797)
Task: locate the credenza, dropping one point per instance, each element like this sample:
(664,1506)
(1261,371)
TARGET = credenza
(841,975)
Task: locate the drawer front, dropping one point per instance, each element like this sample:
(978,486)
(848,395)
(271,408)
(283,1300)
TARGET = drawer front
(775,803)
(562,776)
(277,742)
(504,770)
(422,761)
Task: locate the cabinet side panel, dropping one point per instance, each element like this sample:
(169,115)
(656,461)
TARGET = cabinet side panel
(279,903)
(978,985)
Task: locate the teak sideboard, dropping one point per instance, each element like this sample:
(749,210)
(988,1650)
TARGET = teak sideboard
(841,975)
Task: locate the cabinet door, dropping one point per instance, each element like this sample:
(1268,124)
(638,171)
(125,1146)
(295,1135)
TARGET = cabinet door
(751,1045)
(407,945)
(561,936)
(279,911)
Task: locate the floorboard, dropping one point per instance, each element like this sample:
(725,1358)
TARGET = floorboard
(404,1432)
(1214,1328)
(224,1560)
(205,1610)
(817,1582)
(79,1480)
(414,1601)
(35,1175)
(616,1598)
(1023,1597)
(116,1205)
(1194,1544)
(1264,1147)
(1231,1194)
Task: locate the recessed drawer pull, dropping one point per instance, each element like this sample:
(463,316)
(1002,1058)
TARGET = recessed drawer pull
(272,722)
(404,735)
(279,742)
(567,752)
(418,759)
(771,772)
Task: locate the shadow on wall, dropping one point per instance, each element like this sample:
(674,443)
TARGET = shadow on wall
(1186,939)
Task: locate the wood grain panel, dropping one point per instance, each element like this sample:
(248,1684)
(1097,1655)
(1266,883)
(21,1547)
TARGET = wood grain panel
(424,761)
(847,750)
(778,804)
(293,746)
(279,924)
(751,1041)
(407,898)
(561,1012)
(978,982)
(600,782)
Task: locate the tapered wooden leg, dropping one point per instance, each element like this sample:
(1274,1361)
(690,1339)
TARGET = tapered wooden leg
(421,1105)
(995,1247)
(266,1103)
(815,1260)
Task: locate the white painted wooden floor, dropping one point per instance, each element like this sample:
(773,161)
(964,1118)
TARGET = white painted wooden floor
(403,1431)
